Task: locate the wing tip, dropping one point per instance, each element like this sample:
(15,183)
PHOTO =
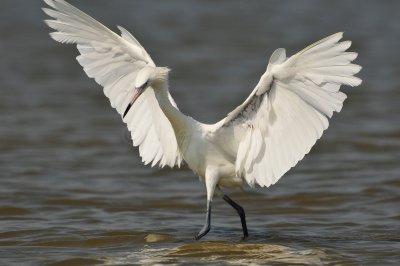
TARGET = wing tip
(357,68)
(338,34)
(53,35)
(58,38)
(48,22)
(357,82)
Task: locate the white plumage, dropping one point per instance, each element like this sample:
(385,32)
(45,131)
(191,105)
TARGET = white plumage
(287,111)
(114,63)
(258,142)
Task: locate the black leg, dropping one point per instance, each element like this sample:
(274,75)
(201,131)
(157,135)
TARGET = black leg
(241,213)
(207,225)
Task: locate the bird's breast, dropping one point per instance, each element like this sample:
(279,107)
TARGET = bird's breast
(202,151)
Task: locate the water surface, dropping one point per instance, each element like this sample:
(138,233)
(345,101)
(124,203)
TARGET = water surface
(74,192)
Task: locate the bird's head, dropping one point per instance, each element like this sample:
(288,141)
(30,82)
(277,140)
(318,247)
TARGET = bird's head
(154,77)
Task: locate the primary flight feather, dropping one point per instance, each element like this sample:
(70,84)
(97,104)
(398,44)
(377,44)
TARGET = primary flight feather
(259,141)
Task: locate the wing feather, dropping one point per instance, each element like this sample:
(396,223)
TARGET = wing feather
(114,61)
(289,108)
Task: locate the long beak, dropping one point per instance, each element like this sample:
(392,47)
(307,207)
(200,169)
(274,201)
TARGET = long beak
(137,92)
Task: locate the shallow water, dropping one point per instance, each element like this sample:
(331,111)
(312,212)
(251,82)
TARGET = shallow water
(74,192)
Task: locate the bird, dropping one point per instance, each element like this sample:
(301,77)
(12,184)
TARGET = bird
(256,143)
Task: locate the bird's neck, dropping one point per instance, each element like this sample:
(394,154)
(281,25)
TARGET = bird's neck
(180,122)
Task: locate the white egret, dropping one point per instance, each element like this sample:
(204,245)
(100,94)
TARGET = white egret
(258,142)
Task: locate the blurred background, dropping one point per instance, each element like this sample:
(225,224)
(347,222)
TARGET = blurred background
(73,190)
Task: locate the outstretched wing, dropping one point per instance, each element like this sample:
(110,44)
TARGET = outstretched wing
(114,62)
(289,109)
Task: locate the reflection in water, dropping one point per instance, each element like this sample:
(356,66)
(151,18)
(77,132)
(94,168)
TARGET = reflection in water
(153,238)
(249,253)
(224,253)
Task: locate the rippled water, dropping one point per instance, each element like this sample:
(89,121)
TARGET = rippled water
(74,192)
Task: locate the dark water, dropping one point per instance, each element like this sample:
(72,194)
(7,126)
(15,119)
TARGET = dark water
(74,192)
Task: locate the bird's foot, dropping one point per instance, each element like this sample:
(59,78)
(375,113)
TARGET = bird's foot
(203,232)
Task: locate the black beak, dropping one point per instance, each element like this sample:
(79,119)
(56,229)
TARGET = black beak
(127,109)
(136,93)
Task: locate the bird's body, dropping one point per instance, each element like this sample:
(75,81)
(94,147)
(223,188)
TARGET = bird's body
(206,149)
(257,143)
(202,146)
